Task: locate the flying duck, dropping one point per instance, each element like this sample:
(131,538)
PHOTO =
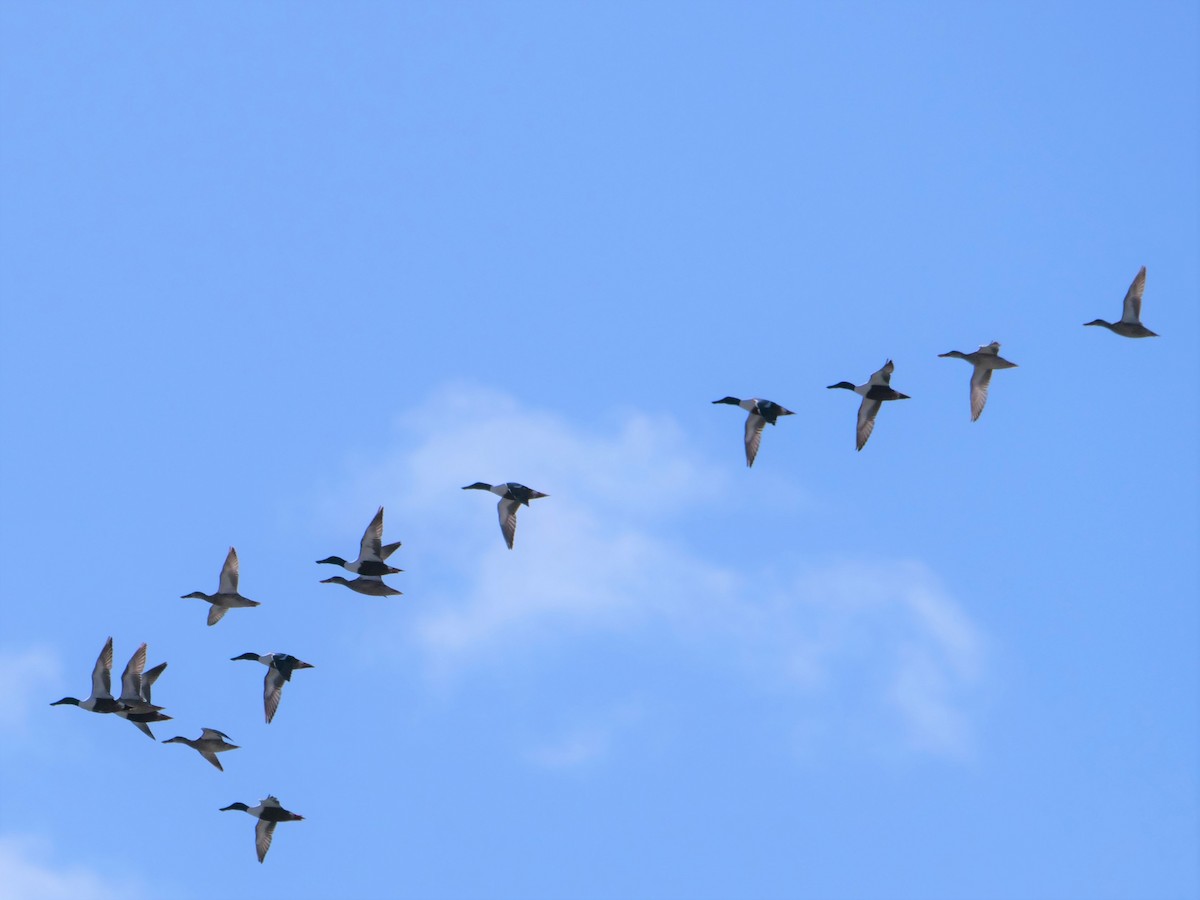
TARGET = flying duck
(269,814)
(135,693)
(227,596)
(279,669)
(761,412)
(1131,315)
(209,744)
(101,699)
(512,495)
(985,360)
(371,585)
(371,552)
(874,392)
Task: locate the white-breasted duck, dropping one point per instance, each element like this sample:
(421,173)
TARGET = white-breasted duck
(101,699)
(269,814)
(762,412)
(279,669)
(512,496)
(227,596)
(371,585)
(209,744)
(135,693)
(371,552)
(1131,313)
(877,389)
(985,360)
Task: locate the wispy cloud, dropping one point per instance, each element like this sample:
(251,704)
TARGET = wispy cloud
(25,874)
(33,665)
(609,553)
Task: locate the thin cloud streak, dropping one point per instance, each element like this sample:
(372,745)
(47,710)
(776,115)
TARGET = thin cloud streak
(24,876)
(589,560)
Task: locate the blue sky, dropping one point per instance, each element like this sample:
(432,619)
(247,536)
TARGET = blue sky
(266,267)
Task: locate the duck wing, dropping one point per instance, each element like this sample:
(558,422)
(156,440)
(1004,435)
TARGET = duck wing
(272,691)
(148,680)
(371,546)
(211,734)
(131,678)
(1132,312)
(212,758)
(883,375)
(388,549)
(229,575)
(867,410)
(263,833)
(102,673)
(508,519)
(754,430)
(980,379)
(215,613)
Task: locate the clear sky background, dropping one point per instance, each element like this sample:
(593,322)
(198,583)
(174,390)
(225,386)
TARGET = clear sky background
(268,266)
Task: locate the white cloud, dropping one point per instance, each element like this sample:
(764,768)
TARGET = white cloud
(36,665)
(25,875)
(608,553)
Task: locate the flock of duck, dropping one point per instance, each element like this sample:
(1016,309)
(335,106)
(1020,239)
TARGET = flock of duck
(134,703)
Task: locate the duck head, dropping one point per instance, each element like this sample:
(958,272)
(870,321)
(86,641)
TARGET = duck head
(478,486)
(332,560)
(842,384)
(336,579)
(241,806)
(253,656)
(732,401)
(194,595)
(1098,322)
(70,701)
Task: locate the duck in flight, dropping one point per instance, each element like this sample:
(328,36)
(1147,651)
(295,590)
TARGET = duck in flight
(135,693)
(761,412)
(985,361)
(101,699)
(877,389)
(512,496)
(279,669)
(227,596)
(1131,314)
(269,814)
(209,744)
(371,552)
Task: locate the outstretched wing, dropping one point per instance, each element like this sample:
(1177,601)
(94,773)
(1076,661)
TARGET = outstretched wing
(980,379)
(372,539)
(508,519)
(229,575)
(215,613)
(102,673)
(211,734)
(1132,311)
(272,690)
(212,758)
(754,430)
(884,374)
(867,410)
(131,678)
(263,832)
